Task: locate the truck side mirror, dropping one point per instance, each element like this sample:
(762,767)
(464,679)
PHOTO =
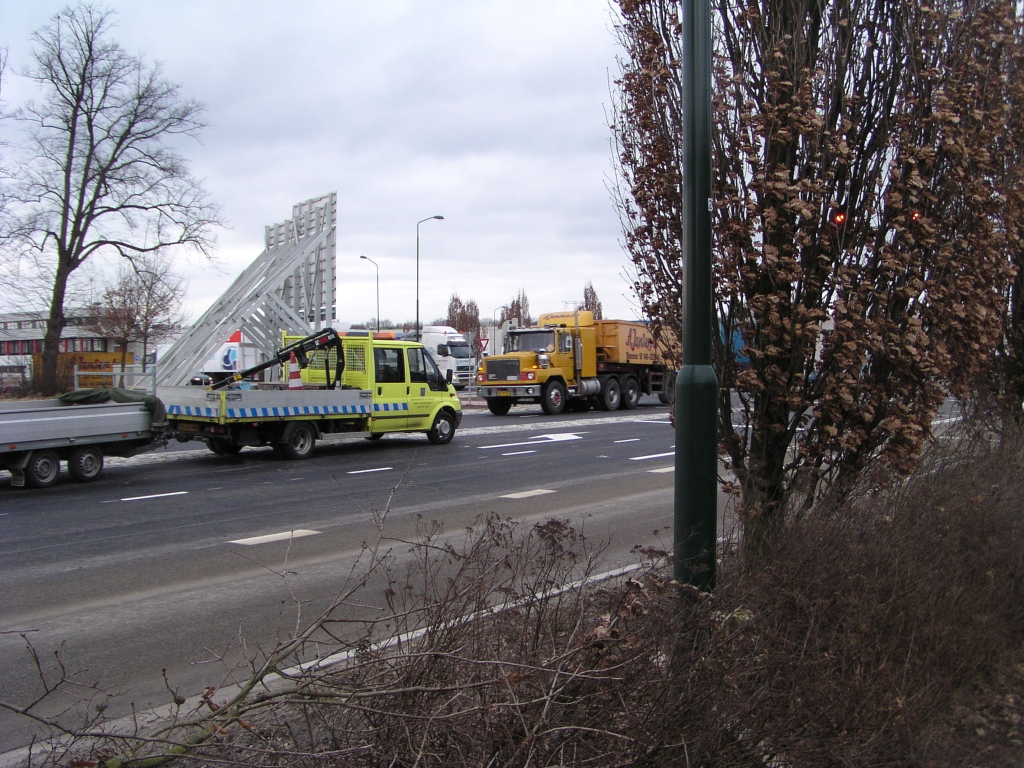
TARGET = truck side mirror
(448,376)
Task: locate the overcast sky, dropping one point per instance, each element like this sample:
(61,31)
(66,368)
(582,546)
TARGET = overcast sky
(491,113)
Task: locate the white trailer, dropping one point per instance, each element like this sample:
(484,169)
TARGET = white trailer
(36,435)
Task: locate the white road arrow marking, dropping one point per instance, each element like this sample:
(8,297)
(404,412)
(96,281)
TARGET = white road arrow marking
(559,438)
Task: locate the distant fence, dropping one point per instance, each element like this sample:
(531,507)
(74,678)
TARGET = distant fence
(132,377)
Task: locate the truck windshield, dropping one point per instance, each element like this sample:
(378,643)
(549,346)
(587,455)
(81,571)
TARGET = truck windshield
(531,341)
(460,349)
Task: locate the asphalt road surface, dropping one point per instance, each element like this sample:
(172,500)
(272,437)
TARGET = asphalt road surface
(174,559)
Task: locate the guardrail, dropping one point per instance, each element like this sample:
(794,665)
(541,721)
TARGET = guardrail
(132,377)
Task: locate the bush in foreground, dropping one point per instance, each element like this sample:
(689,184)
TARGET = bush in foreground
(886,630)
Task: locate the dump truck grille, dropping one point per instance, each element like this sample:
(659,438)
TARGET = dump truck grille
(502,370)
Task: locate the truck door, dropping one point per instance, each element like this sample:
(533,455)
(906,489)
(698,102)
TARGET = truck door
(390,390)
(426,387)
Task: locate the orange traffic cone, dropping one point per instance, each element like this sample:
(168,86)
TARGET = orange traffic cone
(294,374)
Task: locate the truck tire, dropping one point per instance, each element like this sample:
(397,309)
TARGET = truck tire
(223,449)
(668,392)
(443,429)
(85,463)
(553,398)
(499,406)
(299,441)
(42,469)
(611,394)
(630,393)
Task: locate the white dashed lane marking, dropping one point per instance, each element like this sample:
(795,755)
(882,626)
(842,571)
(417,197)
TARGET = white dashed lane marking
(364,471)
(543,439)
(283,536)
(630,440)
(517,453)
(526,494)
(156,496)
(653,456)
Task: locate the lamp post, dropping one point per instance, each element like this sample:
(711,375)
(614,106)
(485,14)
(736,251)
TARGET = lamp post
(378,288)
(439,218)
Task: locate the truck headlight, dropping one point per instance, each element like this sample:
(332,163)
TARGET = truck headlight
(543,361)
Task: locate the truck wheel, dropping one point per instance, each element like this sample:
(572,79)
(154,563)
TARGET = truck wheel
(553,399)
(300,441)
(85,463)
(611,394)
(668,389)
(498,406)
(630,394)
(42,469)
(443,430)
(223,449)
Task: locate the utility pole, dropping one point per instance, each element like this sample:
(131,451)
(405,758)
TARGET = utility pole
(696,481)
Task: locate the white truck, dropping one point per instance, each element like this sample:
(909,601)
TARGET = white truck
(451,351)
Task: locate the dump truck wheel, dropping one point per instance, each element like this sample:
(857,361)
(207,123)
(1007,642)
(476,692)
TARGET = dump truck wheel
(85,463)
(611,394)
(299,441)
(630,394)
(553,399)
(42,469)
(498,406)
(443,430)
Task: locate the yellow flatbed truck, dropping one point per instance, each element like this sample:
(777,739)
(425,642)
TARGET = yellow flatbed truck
(572,361)
(372,387)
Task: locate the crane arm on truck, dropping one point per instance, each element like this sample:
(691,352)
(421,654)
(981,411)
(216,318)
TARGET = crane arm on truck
(324,340)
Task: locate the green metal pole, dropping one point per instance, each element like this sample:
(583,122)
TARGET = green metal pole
(696,482)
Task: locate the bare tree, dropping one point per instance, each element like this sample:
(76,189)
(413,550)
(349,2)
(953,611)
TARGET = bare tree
(100,174)
(143,305)
(465,318)
(518,308)
(860,256)
(590,301)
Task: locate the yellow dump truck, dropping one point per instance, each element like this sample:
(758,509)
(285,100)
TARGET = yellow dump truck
(570,360)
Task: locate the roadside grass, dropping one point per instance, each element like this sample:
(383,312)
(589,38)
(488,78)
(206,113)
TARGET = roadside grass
(887,629)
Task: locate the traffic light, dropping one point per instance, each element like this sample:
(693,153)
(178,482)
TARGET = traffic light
(839,217)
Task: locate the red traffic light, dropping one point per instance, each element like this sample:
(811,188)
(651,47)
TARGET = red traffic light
(839,218)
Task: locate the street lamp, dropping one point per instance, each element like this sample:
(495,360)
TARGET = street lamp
(439,218)
(378,288)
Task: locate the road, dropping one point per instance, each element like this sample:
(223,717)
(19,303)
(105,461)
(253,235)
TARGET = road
(173,559)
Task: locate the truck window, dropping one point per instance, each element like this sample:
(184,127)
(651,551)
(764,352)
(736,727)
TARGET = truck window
(565,342)
(389,364)
(417,368)
(434,378)
(531,341)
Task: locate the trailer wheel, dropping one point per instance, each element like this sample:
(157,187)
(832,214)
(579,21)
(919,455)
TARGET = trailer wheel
(299,441)
(553,400)
(42,469)
(630,394)
(85,463)
(443,430)
(499,406)
(611,394)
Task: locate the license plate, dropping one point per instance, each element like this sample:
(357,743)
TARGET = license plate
(503,393)
(190,428)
